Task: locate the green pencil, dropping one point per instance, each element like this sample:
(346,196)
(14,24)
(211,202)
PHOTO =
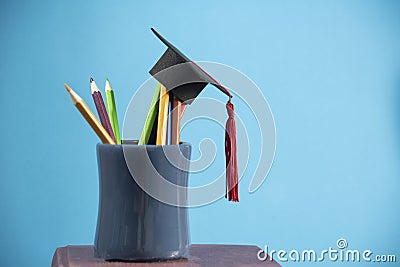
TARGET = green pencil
(112,111)
(151,117)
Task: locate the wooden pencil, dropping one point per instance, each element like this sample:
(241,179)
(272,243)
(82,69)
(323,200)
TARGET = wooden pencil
(112,111)
(162,117)
(89,116)
(169,122)
(176,120)
(183,108)
(101,108)
(151,121)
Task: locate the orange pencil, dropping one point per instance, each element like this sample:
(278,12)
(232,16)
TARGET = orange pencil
(89,116)
(176,120)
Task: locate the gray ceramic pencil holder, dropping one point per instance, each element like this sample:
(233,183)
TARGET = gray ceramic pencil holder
(132,225)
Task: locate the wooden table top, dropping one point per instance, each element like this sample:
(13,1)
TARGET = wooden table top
(203,255)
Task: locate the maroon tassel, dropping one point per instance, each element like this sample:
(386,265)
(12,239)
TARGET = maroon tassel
(232,180)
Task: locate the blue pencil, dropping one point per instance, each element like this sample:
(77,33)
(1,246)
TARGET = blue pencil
(169,125)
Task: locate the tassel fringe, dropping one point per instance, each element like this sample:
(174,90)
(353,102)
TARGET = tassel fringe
(232,181)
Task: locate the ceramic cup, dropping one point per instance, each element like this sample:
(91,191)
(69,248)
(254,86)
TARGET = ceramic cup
(132,225)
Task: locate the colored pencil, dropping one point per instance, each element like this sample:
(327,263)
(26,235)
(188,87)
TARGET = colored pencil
(89,116)
(176,121)
(112,111)
(162,117)
(169,123)
(101,108)
(151,117)
(183,108)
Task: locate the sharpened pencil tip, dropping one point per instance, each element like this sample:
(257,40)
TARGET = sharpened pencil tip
(67,87)
(107,79)
(91,79)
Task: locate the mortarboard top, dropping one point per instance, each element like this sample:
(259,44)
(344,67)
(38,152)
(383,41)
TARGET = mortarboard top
(184,81)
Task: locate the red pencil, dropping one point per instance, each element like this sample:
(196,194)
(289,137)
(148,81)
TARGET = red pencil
(101,108)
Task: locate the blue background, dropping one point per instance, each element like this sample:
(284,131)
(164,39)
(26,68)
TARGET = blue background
(329,70)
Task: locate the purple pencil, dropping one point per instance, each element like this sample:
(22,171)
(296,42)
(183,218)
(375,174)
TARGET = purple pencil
(101,108)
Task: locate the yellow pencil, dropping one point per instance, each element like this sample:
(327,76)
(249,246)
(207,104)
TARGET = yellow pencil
(89,116)
(162,117)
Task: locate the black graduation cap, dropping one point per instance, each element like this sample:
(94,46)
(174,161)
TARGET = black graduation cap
(185,79)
